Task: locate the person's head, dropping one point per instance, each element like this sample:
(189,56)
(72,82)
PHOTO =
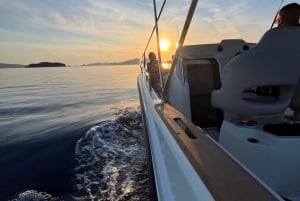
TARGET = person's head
(152,56)
(289,15)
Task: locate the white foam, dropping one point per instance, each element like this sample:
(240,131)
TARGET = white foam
(33,195)
(111,160)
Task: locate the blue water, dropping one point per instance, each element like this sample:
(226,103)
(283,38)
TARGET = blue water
(71,133)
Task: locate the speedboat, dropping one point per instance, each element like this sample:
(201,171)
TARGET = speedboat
(211,133)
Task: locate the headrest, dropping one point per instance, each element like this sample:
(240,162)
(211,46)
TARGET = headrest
(275,60)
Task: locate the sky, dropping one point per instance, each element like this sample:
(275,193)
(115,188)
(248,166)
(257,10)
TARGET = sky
(78,32)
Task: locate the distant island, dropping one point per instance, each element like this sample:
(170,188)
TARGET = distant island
(128,62)
(4,65)
(46,64)
(57,64)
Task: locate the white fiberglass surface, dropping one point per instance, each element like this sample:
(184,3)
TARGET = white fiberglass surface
(175,177)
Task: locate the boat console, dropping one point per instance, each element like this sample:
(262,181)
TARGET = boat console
(197,74)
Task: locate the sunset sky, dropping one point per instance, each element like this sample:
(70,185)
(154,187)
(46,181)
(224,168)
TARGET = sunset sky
(86,31)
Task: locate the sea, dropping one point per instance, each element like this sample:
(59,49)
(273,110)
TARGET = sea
(72,133)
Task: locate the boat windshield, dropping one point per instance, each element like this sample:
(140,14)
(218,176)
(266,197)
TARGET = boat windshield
(213,21)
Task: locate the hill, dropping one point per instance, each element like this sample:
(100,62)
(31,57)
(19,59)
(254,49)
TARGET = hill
(128,62)
(4,65)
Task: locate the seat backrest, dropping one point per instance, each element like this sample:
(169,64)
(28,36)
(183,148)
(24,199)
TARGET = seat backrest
(274,61)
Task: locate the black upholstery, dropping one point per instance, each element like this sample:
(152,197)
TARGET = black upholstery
(203,79)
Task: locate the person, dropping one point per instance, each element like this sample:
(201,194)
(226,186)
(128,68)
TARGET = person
(153,71)
(289,15)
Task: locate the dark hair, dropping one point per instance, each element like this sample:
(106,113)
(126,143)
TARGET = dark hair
(290,14)
(151,55)
(294,7)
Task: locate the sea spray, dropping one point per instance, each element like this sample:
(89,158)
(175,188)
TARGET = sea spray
(110,160)
(33,195)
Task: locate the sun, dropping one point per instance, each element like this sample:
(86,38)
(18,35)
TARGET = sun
(164,44)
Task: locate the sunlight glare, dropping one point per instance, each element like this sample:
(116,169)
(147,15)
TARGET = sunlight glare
(165,66)
(164,44)
(176,45)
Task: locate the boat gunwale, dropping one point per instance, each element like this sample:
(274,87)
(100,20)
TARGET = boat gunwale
(228,182)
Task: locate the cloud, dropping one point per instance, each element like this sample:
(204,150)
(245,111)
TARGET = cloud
(117,29)
(91,17)
(104,24)
(246,19)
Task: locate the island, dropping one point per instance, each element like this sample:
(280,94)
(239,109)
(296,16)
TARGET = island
(5,65)
(46,64)
(128,62)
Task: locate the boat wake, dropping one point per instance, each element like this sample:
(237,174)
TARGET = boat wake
(33,195)
(110,162)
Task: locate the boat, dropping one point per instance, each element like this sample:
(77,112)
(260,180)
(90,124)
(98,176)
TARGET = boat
(211,135)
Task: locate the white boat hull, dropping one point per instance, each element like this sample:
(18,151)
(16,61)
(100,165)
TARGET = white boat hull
(175,178)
